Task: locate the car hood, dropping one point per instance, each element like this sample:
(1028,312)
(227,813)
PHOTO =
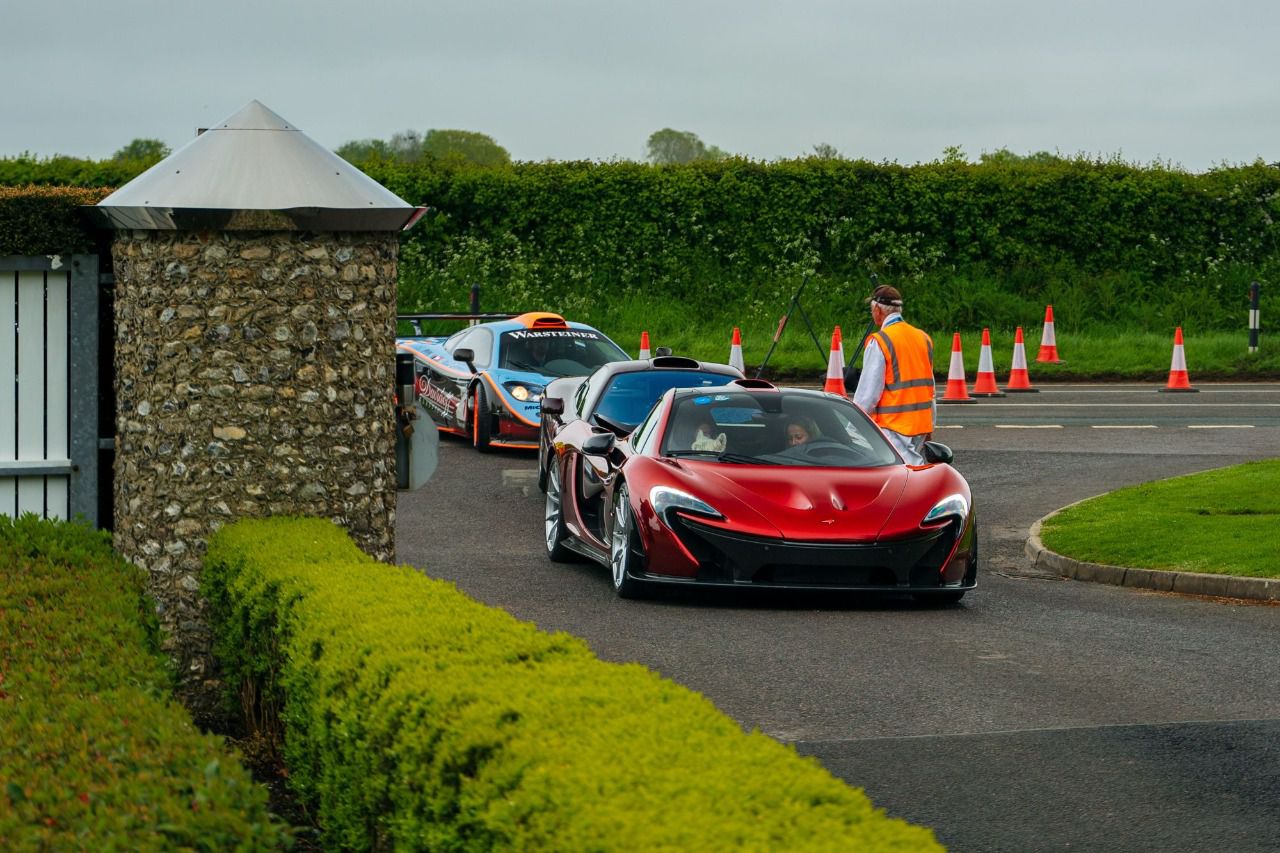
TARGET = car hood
(809,504)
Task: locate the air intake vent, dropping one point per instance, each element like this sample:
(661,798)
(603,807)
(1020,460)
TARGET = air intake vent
(755,384)
(676,361)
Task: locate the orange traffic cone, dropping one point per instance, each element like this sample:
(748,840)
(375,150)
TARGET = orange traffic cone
(957,390)
(735,351)
(835,367)
(1048,343)
(985,385)
(644,347)
(1178,379)
(1019,381)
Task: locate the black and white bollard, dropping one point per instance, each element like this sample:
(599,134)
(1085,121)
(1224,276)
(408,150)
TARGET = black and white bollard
(1254,316)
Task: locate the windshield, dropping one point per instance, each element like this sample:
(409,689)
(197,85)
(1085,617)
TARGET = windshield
(557,352)
(630,396)
(775,428)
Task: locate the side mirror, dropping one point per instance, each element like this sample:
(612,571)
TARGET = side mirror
(937,454)
(467,356)
(599,444)
(553,406)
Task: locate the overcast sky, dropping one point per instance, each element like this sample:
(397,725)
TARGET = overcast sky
(1192,83)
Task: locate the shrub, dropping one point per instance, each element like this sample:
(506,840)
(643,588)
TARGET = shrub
(418,718)
(38,220)
(93,752)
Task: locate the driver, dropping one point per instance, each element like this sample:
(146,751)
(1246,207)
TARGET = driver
(538,349)
(801,430)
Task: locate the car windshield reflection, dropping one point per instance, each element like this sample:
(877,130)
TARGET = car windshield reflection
(630,395)
(775,428)
(557,352)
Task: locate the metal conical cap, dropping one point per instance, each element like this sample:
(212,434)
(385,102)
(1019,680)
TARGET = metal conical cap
(255,171)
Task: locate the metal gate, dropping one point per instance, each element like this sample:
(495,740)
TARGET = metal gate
(49,332)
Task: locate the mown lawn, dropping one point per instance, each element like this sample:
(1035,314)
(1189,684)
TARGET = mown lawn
(1217,522)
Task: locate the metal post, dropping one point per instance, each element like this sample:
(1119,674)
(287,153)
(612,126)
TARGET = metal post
(1254,316)
(475,302)
(406,405)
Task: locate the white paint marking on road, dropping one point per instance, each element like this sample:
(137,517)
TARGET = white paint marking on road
(1027,426)
(1124,426)
(949,426)
(1121,388)
(1220,426)
(1185,403)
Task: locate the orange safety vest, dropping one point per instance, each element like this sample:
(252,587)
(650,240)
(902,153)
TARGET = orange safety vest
(906,405)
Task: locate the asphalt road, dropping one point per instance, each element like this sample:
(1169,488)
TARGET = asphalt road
(1038,714)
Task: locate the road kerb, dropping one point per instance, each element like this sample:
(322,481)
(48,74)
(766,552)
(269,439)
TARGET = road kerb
(1190,583)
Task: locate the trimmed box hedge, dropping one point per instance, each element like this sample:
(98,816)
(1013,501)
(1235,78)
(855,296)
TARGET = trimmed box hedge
(418,718)
(36,220)
(94,754)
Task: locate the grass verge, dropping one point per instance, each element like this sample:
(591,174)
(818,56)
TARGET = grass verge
(1095,354)
(1224,522)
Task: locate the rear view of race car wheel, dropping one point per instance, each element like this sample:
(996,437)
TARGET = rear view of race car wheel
(481,420)
(554,515)
(626,555)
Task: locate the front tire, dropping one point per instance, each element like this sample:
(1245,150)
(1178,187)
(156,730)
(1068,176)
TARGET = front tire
(554,529)
(481,420)
(626,552)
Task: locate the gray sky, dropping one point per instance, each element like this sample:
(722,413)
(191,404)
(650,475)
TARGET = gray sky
(1194,83)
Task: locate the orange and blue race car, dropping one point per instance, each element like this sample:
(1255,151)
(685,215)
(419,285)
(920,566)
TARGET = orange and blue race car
(486,382)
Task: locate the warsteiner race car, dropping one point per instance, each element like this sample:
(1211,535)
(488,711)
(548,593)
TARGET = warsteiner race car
(486,381)
(750,485)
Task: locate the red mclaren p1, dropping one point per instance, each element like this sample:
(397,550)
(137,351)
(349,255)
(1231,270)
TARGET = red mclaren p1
(749,485)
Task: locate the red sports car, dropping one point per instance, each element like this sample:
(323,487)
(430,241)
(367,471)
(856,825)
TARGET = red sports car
(748,484)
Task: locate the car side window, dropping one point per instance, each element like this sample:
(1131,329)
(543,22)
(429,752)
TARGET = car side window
(479,340)
(641,438)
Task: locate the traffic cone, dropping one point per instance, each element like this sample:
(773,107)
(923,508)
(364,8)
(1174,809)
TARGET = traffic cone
(1019,381)
(735,351)
(1178,379)
(957,391)
(985,384)
(1048,343)
(644,347)
(835,367)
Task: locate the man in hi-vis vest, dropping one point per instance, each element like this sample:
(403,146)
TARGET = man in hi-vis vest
(896,385)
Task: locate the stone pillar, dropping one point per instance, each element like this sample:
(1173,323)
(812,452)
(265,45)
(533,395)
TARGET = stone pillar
(254,375)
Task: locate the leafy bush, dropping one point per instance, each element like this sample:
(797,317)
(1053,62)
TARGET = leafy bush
(93,752)
(37,220)
(417,718)
(970,245)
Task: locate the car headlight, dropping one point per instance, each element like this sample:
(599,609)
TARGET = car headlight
(524,393)
(951,505)
(665,498)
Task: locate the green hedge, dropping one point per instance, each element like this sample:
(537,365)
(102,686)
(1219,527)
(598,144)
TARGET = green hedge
(37,220)
(971,245)
(93,752)
(417,718)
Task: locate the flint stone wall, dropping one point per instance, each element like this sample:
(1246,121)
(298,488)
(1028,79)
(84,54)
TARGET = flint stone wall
(254,376)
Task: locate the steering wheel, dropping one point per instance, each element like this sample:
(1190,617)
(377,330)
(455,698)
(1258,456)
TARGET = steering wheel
(820,447)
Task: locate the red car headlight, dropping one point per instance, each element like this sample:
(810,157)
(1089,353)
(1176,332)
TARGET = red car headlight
(665,499)
(952,506)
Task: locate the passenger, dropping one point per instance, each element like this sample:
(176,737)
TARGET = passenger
(705,437)
(801,430)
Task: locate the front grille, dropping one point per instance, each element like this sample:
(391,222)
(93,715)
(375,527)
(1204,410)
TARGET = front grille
(725,557)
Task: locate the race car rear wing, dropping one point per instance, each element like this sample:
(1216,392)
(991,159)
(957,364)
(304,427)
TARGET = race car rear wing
(416,320)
